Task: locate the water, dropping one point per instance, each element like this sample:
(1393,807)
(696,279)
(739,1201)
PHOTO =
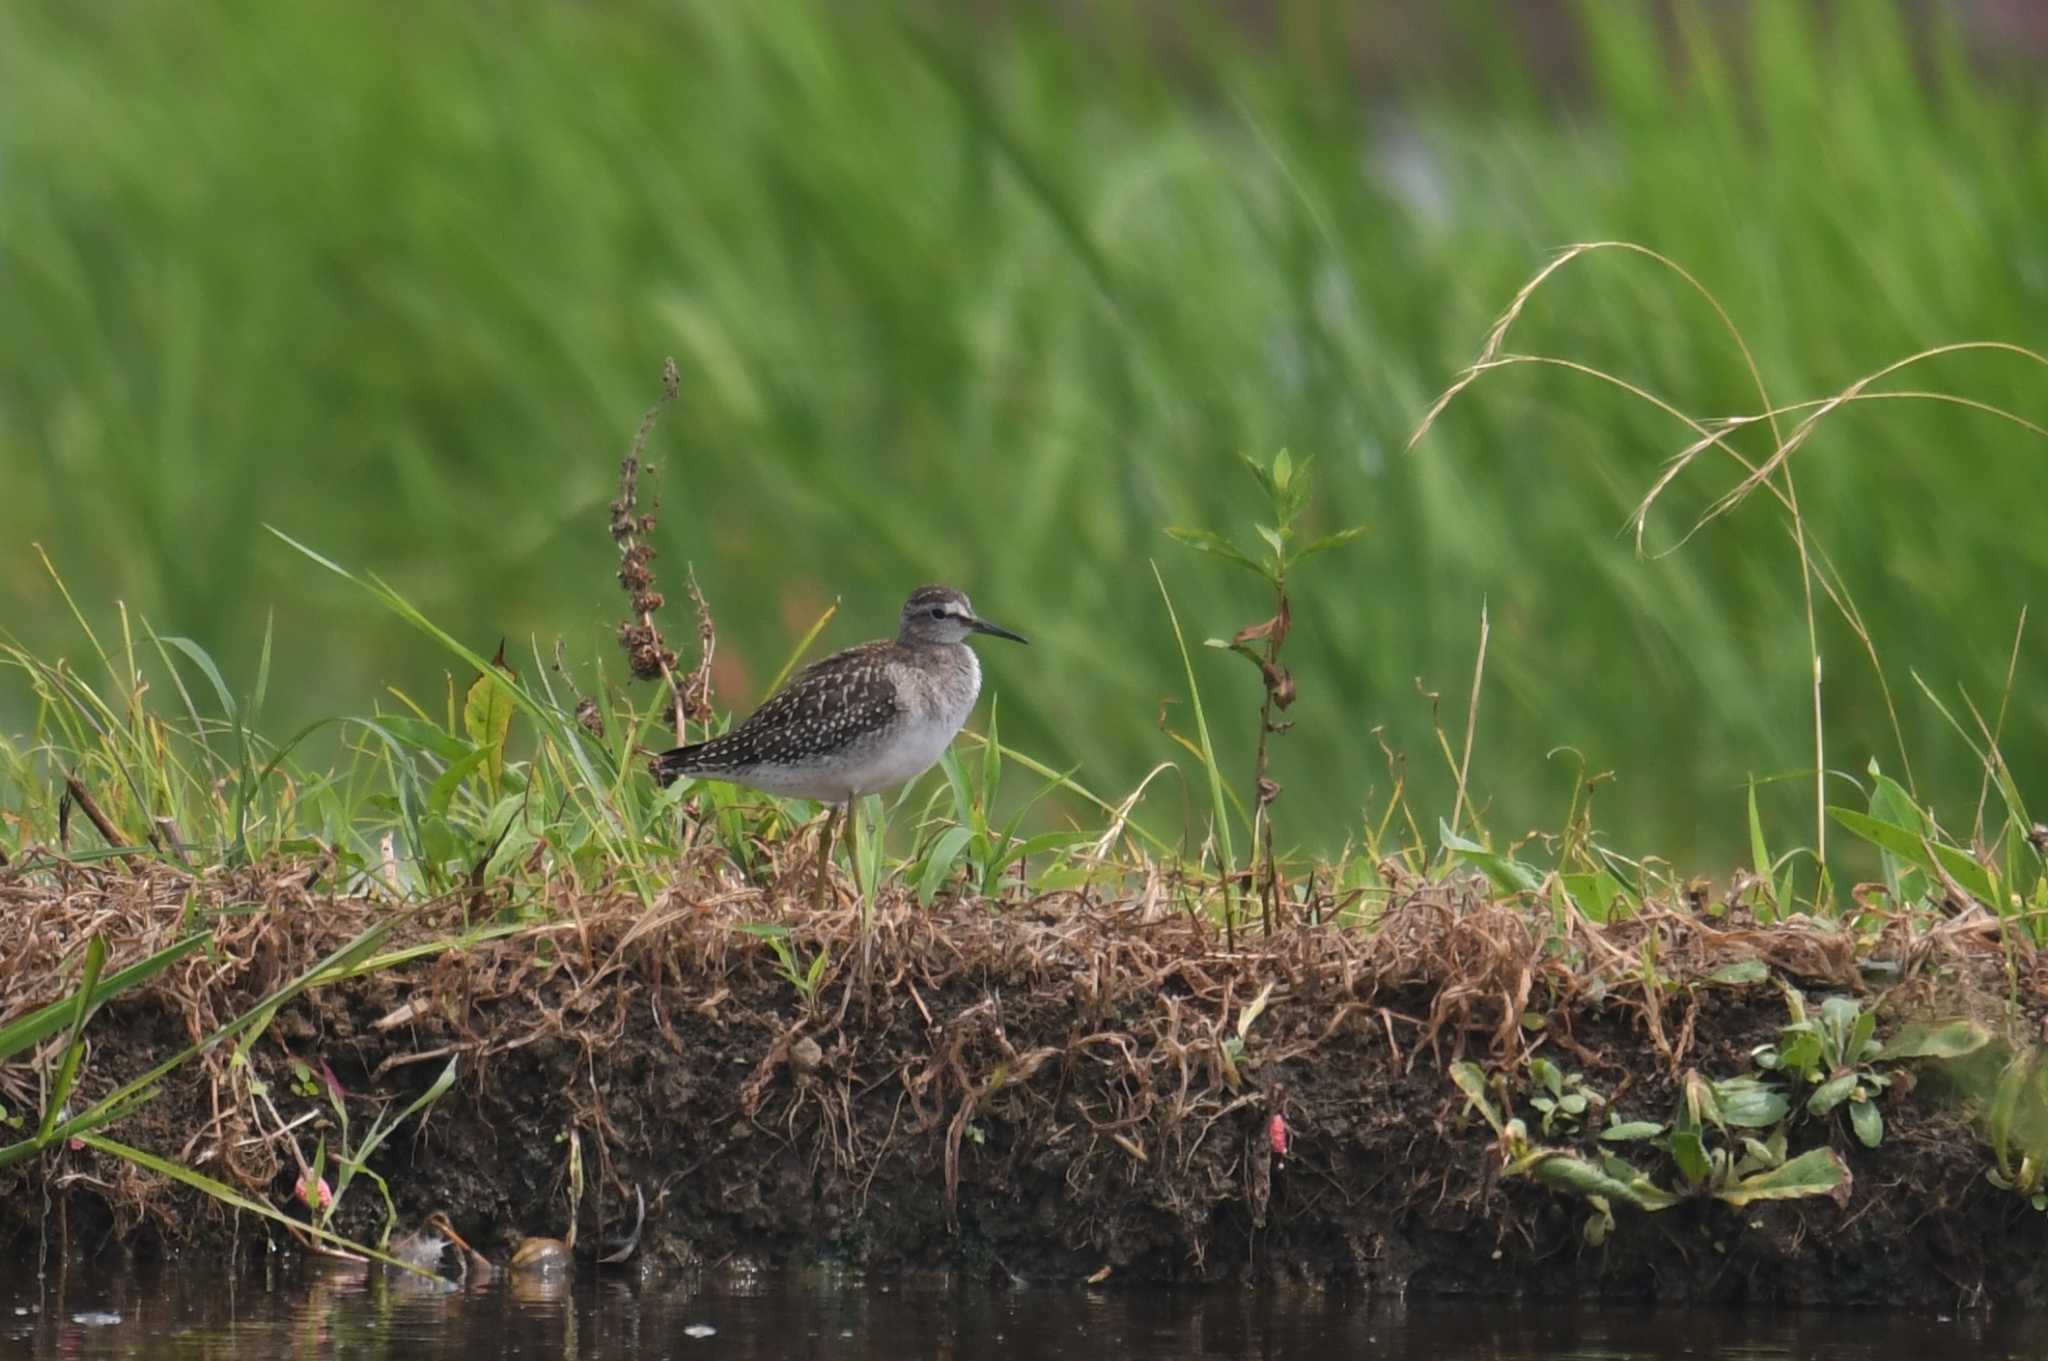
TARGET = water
(320,1310)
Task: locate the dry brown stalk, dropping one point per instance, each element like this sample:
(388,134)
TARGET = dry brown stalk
(647,653)
(76,793)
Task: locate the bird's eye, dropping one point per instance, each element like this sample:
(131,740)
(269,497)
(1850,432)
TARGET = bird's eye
(938,611)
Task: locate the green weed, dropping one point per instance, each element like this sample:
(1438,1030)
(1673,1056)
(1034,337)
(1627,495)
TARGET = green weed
(1287,490)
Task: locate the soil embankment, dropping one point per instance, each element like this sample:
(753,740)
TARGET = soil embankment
(1056,1090)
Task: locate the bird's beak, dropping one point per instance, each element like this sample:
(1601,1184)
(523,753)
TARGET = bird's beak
(983,626)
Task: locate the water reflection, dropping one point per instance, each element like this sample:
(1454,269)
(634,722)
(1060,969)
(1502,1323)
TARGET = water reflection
(308,1309)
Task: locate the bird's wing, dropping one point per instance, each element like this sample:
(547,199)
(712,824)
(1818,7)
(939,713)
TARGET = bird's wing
(825,706)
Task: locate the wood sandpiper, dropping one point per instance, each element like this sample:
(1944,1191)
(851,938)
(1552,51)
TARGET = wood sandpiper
(860,721)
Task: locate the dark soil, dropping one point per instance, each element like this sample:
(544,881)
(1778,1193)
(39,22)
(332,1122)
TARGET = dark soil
(1051,1091)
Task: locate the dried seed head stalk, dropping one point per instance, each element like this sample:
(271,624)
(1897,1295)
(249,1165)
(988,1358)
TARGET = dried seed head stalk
(697,692)
(647,653)
(588,715)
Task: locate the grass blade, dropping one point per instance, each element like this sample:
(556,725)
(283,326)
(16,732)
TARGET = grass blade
(1208,753)
(228,1195)
(31,1029)
(118,1102)
(74,1047)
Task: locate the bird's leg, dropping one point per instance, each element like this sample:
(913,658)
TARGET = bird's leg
(865,908)
(825,858)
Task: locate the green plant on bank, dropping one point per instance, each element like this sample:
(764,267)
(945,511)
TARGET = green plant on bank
(1287,489)
(1728,1139)
(60,1127)
(1584,879)
(1831,1061)
(1562,1099)
(2005,868)
(1231,1051)
(2016,1126)
(1756,1175)
(321,1199)
(971,838)
(805,975)
(1710,1141)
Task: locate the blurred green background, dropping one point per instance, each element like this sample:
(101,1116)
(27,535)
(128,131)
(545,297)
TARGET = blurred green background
(992,295)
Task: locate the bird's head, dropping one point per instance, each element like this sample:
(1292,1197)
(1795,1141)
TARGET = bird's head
(940,614)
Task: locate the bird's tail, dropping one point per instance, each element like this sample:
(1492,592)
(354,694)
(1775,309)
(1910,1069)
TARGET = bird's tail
(676,762)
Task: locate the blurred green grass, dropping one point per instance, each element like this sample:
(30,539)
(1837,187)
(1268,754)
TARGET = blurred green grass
(994,301)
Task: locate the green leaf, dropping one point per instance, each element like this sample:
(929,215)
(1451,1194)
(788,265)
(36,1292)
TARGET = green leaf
(1908,845)
(1867,1121)
(1889,802)
(205,663)
(1815,1173)
(1922,1040)
(1508,874)
(1691,1155)
(1207,750)
(1207,541)
(1631,1131)
(135,1091)
(487,716)
(1838,1017)
(569,739)
(939,861)
(1260,475)
(1698,1103)
(1798,1051)
(1545,1072)
(991,762)
(309,1193)
(1759,854)
(74,1046)
(1471,1080)
(40,1024)
(1563,1172)
(441,792)
(1760,1154)
(408,734)
(1750,1103)
(1967,871)
(1740,973)
(1275,540)
(1329,541)
(1862,1042)
(1283,469)
(1831,1094)
(803,645)
(1595,892)
(227,1195)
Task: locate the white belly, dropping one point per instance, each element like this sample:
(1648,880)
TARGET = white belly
(916,748)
